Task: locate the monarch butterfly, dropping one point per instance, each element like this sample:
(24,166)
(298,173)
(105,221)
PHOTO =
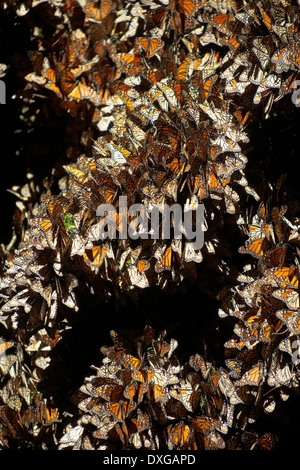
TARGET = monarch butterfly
(235,86)
(272,81)
(269,404)
(235,343)
(266,18)
(291,318)
(160,376)
(185,69)
(263,230)
(142,421)
(163,348)
(178,435)
(165,261)
(267,442)
(94,257)
(45,224)
(294,51)
(109,193)
(5,345)
(3,69)
(278,376)
(67,81)
(98,14)
(256,248)
(48,72)
(150,45)
(103,427)
(47,415)
(12,400)
(76,48)
(41,341)
(231,42)
(121,410)
(220,117)
(132,361)
(189,253)
(109,392)
(277,216)
(135,391)
(286,87)
(235,366)
(214,441)
(159,393)
(210,179)
(118,154)
(169,188)
(199,363)
(168,92)
(131,62)
(249,440)
(220,21)
(81,92)
(160,97)
(184,395)
(227,387)
(137,278)
(53,87)
(261,51)
(149,112)
(266,331)
(289,296)
(34,78)
(157,16)
(153,76)
(143,265)
(129,257)
(74,171)
(289,346)
(187,7)
(281,59)
(179,166)
(251,330)
(9,418)
(203,425)
(157,198)
(132,28)
(143,376)
(283,276)
(254,376)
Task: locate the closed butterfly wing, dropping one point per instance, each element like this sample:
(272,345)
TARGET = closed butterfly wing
(267,442)
(291,318)
(94,257)
(165,261)
(178,436)
(289,296)
(254,376)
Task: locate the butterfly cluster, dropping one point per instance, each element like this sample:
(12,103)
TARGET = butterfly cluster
(26,415)
(157,101)
(142,397)
(265,305)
